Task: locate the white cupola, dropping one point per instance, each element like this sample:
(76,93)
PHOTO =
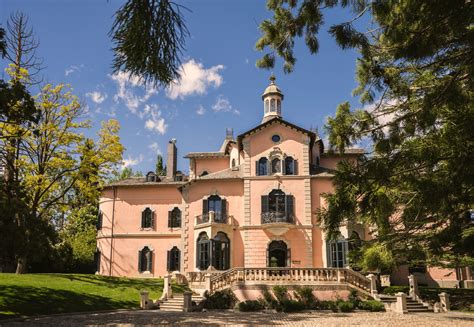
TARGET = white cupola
(272,98)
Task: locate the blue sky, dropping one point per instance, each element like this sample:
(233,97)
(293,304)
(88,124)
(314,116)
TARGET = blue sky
(221,86)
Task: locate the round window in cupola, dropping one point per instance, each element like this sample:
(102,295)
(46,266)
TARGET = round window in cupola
(276,138)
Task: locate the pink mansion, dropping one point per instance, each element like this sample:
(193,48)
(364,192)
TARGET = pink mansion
(252,203)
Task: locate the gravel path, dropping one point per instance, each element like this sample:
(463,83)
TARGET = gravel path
(218,318)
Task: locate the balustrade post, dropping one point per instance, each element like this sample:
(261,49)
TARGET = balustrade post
(414,294)
(208,284)
(401,305)
(188,302)
(373,284)
(444,302)
(212,216)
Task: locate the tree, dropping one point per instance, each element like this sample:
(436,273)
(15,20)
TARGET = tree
(149,37)
(160,170)
(51,168)
(415,79)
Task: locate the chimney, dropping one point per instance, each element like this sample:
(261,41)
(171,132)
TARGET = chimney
(172,159)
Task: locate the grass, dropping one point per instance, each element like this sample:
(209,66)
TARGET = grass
(39,294)
(460,298)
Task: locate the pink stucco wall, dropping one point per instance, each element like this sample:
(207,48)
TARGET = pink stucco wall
(211,165)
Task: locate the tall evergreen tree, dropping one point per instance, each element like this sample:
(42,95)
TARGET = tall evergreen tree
(160,170)
(415,79)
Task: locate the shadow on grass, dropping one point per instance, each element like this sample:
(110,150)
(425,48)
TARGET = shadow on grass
(28,301)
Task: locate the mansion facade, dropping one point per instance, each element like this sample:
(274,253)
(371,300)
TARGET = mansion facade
(253,203)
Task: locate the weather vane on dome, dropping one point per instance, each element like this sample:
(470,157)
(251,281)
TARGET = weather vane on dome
(272,78)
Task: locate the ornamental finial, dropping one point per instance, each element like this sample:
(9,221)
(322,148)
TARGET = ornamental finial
(272,79)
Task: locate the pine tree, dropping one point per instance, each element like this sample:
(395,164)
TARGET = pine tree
(160,170)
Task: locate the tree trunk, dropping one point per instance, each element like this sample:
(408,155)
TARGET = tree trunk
(21,267)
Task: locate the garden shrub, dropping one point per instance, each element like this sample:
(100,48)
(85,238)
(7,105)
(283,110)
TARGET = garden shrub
(281,293)
(372,305)
(305,295)
(224,299)
(345,306)
(354,298)
(328,305)
(269,300)
(250,305)
(291,306)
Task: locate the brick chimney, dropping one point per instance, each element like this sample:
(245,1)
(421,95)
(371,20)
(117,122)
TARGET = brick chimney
(172,159)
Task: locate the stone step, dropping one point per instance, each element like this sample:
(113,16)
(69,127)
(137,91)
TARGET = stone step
(419,310)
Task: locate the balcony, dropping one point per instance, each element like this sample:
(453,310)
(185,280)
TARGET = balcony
(277,217)
(211,217)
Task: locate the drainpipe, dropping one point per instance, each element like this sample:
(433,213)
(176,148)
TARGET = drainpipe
(112,231)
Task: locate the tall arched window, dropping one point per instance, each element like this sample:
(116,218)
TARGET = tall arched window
(278,254)
(216,204)
(145,260)
(272,105)
(290,166)
(267,105)
(262,167)
(203,251)
(221,251)
(147,218)
(174,218)
(277,207)
(276,166)
(174,257)
(278,107)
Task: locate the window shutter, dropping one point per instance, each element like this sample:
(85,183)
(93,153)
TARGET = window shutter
(269,168)
(140,261)
(204,207)
(197,255)
(150,262)
(143,218)
(290,205)
(328,255)
(257,171)
(170,224)
(264,203)
(178,260)
(223,209)
(168,260)
(152,219)
(288,257)
(295,167)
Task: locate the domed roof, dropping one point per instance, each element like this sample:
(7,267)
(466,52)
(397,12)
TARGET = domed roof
(272,88)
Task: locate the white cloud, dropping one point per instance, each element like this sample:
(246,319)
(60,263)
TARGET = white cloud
(130,161)
(127,88)
(112,113)
(155,148)
(72,69)
(195,79)
(200,110)
(156,125)
(222,104)
(97,97)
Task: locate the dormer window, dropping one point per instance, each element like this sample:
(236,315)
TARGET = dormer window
(276,166)
(147,218)
(204,173)
(151,177)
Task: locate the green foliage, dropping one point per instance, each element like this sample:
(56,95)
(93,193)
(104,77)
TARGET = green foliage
(354,298)
(250,305)
(371,305)
(328,305)
(280,292)
(377,258)
(149,36)
(224,299)
(160,170)
(345,306)
(305,295)
(288,305)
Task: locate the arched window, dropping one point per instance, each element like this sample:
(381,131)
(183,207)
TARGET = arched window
(145,260)
(174,257)
(150,177)
(216,204)
(147,218)
(267,106)
(290,166)
(272,105)
(279,107)
(203,251)
(233,163)
(277,207)
(262,167)
(204,173)
(174,218)
(278,254)
(276,166)
(221,251)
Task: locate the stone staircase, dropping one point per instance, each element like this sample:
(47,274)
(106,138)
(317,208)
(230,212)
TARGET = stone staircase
(176,303)
(415,306)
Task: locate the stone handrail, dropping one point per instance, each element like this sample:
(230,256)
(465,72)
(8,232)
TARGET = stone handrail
(211,217)
(291,275)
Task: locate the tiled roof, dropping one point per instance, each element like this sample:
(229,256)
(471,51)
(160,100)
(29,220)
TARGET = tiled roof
(229,173)
(141,181)
(206,155)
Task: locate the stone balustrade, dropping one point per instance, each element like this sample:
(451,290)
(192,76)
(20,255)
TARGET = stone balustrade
(212,217)
(288,275)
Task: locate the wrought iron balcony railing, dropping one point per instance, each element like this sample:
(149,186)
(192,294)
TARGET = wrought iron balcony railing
(277,217)
(211,216)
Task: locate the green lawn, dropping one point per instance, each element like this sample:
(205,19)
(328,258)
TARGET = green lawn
(37,294)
